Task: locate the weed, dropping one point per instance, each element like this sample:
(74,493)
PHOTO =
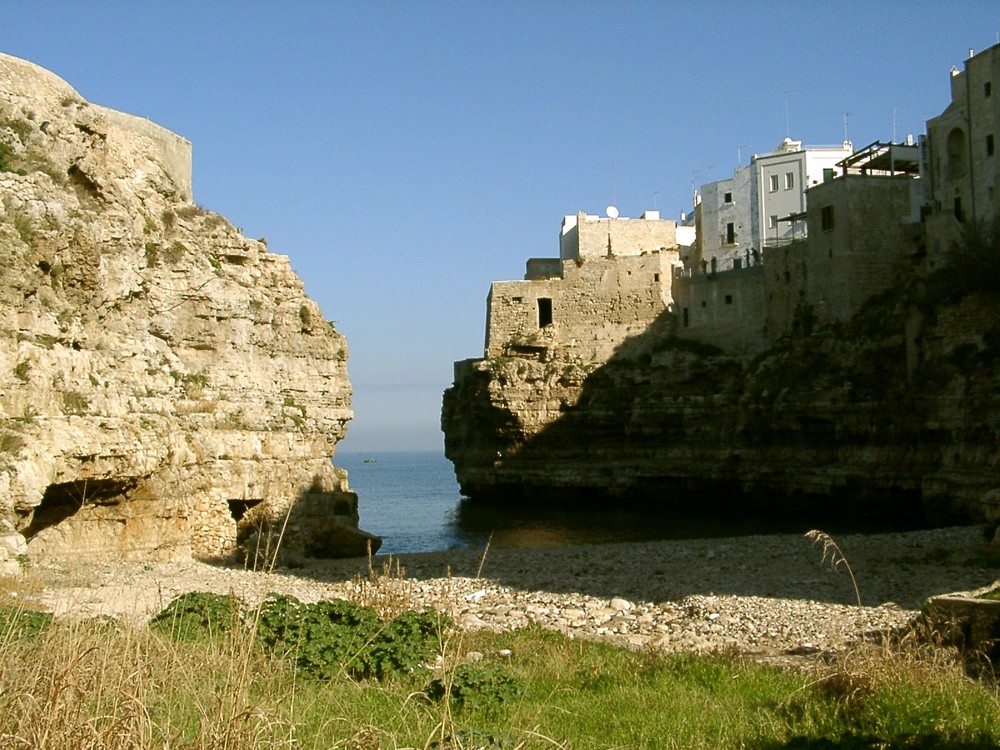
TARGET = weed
(477,686)
(75,402)
(197,615)
(832,553)
(17,622)
(152,254)
(21,370)
(10,443)
(332,638)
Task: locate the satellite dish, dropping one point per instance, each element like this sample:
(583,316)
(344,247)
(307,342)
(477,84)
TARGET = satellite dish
(612,212)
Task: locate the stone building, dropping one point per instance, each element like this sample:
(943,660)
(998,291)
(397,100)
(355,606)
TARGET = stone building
(725,221)
(960,151)
(611,281)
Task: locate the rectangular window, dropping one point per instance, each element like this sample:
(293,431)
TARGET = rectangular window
(789,180)
(727,198)
(730,233)
(826,218)
(772,222)
(987,88)
(989,145)
(957,209)
(656,278)
(686,317)
(544,312)
(729,299)
(774,183)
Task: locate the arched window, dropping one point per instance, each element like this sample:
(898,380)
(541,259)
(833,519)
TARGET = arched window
(958,153)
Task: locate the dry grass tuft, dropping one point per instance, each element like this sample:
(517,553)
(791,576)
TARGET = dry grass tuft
(833,554)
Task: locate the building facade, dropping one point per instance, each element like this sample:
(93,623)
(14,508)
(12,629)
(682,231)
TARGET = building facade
(961,151)
(778,185)
(612,280)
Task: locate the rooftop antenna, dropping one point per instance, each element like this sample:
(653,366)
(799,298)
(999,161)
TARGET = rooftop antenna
(894,108)
(739,154)
(614,183)
(846,115)
(788,130)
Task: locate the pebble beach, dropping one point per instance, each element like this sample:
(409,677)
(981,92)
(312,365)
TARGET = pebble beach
(763,595)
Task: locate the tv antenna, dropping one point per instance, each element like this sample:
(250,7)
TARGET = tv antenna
(739,154)
(894,108)
(788,130)
(846,115)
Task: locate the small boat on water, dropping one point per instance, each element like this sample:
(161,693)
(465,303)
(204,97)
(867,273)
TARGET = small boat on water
(370,461)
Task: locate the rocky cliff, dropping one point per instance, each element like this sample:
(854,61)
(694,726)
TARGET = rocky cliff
(165,384)
(894,414)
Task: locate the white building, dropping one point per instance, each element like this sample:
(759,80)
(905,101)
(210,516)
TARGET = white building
(778,186)
(726,220)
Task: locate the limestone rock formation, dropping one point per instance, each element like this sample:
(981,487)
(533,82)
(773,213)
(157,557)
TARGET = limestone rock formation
(895,414)
(164,380)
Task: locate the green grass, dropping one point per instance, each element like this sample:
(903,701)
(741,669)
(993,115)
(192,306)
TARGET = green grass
(100,685)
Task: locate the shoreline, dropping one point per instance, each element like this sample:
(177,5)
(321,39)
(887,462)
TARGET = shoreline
(761,594)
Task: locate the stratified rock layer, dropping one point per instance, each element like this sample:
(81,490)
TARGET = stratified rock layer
(161,376)
(896,415)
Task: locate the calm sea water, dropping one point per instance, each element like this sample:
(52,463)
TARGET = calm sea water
(413,502)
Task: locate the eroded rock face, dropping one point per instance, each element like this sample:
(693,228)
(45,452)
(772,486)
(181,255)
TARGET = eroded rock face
(895,416)
(163,379)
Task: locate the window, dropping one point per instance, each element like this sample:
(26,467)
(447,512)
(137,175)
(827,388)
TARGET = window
(729,299)
(989,145)
(774,183)
(544,312)
(772,221)
(958,209)
(826,218)
(656,278)
(727,198)
(686,317)
(987,88)
(730,233)
(789,180)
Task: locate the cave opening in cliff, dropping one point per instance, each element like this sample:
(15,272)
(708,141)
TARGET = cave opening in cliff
(64,499)
(239,508)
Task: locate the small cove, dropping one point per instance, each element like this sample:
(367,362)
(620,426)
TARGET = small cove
(412,500)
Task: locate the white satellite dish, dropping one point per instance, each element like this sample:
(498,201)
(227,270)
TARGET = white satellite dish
(612,212)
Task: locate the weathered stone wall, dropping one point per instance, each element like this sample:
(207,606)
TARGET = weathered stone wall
(861,254)
(786,278)
(589,236)
(163,379)
(596,305)
(174,150)
(726,309)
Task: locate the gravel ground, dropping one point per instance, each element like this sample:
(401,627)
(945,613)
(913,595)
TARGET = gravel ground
(764,595)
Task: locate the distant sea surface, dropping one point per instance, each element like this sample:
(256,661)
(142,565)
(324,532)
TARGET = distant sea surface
(412,501)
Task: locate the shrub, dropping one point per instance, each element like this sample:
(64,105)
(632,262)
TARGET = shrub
(22,623)
(331,638)
(197,615)
(477,686)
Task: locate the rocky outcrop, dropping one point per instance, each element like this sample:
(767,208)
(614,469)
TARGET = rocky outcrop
(895,414)
(165,383)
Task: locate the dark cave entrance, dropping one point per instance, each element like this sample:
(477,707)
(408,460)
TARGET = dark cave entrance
(65,499)
(239,508)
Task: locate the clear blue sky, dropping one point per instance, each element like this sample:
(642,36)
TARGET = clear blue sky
(406,154)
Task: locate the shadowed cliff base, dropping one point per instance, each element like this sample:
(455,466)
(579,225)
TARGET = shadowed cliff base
(893,415)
